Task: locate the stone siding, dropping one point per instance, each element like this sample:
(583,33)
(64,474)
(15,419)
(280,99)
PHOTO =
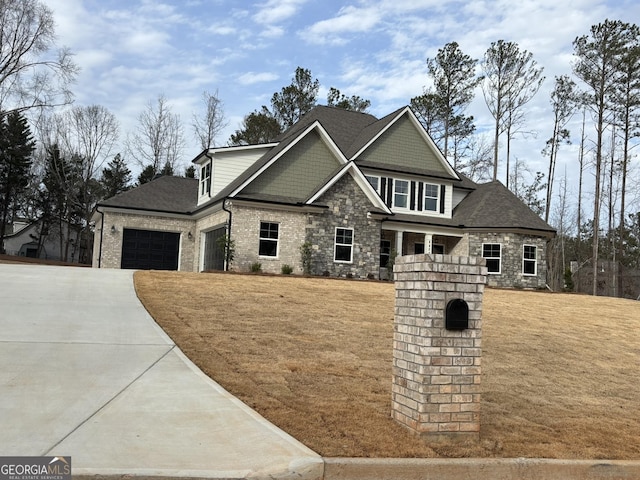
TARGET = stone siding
(112,242)
(348,207)
(511,275)
(436,371)
(245,232)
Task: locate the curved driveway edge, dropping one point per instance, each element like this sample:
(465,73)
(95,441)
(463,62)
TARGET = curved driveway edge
(86,372)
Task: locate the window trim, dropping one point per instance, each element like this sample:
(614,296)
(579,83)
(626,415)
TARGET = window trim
(205,180)
(436,198)
(530,260)
(406,195)
(268,239)
(336,245)
(493,258)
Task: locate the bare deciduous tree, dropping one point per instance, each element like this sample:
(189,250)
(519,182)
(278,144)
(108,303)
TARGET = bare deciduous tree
(158,139)
(29,76)
(210,124)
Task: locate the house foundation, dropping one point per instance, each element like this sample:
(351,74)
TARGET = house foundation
(437,345)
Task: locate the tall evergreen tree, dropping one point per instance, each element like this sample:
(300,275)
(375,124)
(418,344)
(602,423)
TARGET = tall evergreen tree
(598,60)
(354,103)
(454,80)
(115,178)
(564,103)
(294,100)
(16,148)
(257,127)
(511,78)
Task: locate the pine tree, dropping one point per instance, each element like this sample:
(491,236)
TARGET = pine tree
(16,148)
(115,178)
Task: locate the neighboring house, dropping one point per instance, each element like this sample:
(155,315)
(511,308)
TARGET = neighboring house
(27,240)
(358,189)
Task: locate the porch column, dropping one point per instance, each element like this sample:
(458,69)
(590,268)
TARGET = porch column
(428,243)
(399,238)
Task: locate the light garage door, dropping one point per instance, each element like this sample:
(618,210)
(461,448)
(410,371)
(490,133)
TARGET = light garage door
(149,250)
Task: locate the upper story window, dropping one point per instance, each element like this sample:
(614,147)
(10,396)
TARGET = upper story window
(492,252)
(431,197)
(412,195)
(401,194)
(268,239)
(374,181)
(205,179)
(529,260)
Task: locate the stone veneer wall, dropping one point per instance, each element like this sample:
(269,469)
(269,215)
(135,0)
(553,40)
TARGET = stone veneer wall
(348,207)
(245,232)
(436,372)
(112,242)
(511,263)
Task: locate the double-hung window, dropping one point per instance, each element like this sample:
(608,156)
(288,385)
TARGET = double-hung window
(529,260)
(401,194)
(205,179)
(343,251)
(268,239)
(431,197)
(492,252)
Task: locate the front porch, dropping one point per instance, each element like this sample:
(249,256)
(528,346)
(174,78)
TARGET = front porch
(398,241)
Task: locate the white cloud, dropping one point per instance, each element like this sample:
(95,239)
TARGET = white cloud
(251,78)
(349,20)
(276,11)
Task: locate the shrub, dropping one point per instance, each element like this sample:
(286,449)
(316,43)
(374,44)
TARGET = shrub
(305,257)
(286,269)
(256,267)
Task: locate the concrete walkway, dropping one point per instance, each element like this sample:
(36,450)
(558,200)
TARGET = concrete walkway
(86,372)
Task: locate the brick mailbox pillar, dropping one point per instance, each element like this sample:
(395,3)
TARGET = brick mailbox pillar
(437,345)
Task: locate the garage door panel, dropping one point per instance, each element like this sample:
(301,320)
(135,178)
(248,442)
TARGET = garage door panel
(149,249)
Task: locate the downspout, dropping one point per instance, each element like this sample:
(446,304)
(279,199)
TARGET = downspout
(227,252)
(101,234)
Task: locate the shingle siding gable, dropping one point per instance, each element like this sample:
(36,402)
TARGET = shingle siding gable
(403,146)
(298,172)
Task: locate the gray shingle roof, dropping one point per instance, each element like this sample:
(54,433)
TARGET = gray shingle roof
(164,194)
(492,205)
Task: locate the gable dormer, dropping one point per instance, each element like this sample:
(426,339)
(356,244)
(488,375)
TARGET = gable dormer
(407,169)
(218,167)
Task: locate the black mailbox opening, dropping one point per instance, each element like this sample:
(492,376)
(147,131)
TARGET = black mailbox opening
(457,315)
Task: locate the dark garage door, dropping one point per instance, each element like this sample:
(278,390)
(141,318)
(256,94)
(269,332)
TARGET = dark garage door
(149,250)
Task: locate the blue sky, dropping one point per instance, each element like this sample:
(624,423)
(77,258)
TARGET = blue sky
(131,51)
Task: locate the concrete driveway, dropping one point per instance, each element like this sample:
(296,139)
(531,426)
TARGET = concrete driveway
(86,372)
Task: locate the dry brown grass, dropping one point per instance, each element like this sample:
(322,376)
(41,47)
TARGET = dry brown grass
(313,356)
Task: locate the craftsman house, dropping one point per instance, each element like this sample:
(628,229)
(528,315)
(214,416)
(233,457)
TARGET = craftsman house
(356,189)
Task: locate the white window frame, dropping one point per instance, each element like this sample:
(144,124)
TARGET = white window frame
(406,195)
(269,239)
(336,245)
(424,197)
(205,180)
(533,260)
(499,258)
